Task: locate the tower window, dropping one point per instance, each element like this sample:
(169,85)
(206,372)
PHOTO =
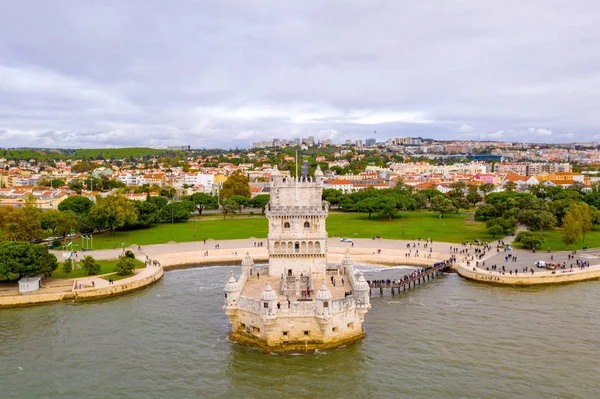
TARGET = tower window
(306,225)
(286,225)
(306,333)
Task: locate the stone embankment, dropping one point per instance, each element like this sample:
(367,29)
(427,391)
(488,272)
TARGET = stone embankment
(183,255)
(560,276)
(83,291)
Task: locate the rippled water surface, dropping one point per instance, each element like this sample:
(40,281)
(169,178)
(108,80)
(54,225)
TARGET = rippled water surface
(447,339)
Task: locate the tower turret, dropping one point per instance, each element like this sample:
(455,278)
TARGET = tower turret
(247,265)
(361,292)
(232,292)
(318,174)
(276,175)
(268,299)
(348,265)
(323,302)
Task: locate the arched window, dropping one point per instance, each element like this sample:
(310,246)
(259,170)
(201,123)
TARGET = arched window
(286,225)
(306,225)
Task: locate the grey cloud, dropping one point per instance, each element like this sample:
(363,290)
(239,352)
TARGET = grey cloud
(231,72)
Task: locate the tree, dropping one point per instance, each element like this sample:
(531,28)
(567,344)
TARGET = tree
(261,201)
(241,200)
(67,267)
(510,186)
(457,189)
(22,259)
(204,201)
(125,266)
(577,221)
(530,239)
(346,202)
(28,220)
(473,195)
(460,203)
(160,202)
(176,212)
(76,185)
(59,223)
(369,204)
(229,207)
(442,205)
(495,231)
(486,211)
(485,189)
(90,265)
(148,214)
(47,263)
(82,167)
(12,232)
(501,226)
(387,206)
(533,218)
(332,196)
(236,184)
(113,212)
(77,204)
(48,182)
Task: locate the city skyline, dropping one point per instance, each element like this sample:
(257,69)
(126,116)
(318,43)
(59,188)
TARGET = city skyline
(230,74)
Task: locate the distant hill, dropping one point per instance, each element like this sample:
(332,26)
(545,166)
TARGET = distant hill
(41,154)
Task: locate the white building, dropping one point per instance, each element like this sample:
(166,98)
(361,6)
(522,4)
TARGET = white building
(298,302)
(29,284)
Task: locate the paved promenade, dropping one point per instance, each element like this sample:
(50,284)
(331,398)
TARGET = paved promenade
(514,261)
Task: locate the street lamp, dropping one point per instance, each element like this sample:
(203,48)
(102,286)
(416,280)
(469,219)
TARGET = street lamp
(541,211)
(421,195)
(403,208)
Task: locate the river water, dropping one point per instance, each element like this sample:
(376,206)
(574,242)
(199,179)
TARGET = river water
(449,338)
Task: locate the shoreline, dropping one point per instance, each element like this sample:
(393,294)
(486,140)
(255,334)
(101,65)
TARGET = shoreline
(384,253)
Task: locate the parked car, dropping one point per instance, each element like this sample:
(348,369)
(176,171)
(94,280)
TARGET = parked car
(345,240)
(540,263)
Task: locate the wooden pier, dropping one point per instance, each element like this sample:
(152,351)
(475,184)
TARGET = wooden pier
(419,277)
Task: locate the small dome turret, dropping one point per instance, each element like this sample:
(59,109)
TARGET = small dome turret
(318,172)
(323,294)
(275,171)
(268,294)
(361,283)
(347,259)
(231,285)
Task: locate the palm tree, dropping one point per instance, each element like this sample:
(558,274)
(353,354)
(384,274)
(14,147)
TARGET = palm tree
(11,232)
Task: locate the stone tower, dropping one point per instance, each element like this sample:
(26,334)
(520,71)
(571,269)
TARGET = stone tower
(299,303)
(297,239)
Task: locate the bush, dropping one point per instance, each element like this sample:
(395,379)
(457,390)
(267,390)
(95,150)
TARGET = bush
(56,244)
(125,266)
(90,266)
(21,259)
(530,239)
(67,266)
(129,254)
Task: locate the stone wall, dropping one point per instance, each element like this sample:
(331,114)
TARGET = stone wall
(83,294)
(561,276)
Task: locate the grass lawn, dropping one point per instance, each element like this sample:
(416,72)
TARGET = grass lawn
(452,228)
(553,239)
(106,266)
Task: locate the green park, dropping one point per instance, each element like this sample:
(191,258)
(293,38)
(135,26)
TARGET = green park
(454,228)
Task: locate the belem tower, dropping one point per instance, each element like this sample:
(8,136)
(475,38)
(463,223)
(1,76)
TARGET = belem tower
(297,302)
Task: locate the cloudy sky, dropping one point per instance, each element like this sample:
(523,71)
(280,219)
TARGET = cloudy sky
(227,73)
